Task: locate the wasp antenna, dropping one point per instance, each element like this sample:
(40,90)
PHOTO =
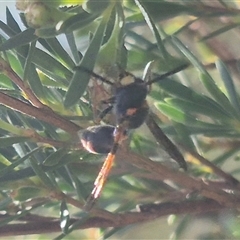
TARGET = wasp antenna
(161,77)
(147,71)
(94,74)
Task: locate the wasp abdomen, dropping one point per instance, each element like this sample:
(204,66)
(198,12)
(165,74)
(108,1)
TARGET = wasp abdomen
(98,139)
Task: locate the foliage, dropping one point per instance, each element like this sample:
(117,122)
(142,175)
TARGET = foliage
(46,100)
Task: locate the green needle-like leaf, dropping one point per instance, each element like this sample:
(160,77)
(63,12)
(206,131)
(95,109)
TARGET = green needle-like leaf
(60,52)
(187,94)
(20,39)
(185,118)
(81,78)
(55,157)
(11,22)
(229,84)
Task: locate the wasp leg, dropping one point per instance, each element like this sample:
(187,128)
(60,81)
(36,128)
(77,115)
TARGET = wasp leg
(105,112)
(110,100)
(99,182)
(104,172)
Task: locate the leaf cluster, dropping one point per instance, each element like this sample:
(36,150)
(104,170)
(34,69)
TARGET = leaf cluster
(46,99)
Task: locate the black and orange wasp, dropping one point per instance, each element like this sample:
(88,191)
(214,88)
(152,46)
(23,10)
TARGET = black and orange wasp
(130,108)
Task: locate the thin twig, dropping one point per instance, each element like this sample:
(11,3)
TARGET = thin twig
(148,212)
(227,177)
(39,139)
(41,114)
(8,71)
(179,178)
(78,204)
(173,151)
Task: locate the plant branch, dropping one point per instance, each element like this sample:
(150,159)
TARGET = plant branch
(179,178)
(42,114)
(31,133)
(78,204)
(175,153)
(227,177)
(8,71)
(147,213)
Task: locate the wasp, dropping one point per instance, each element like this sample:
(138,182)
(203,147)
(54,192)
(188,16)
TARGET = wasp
(129,105)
